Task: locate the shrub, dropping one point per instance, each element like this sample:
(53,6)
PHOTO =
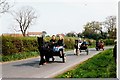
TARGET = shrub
(8,47)
(69,42)
(109,41)
(12,45)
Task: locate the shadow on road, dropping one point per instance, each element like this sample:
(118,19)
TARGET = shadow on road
(34,64)
(55,62)
(70,54)
(31,64)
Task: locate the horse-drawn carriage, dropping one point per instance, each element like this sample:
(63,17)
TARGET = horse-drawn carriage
(80,47)
(47,52)
(99,45)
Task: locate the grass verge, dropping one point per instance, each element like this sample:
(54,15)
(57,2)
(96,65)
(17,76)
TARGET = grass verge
(18,56)
(99,66)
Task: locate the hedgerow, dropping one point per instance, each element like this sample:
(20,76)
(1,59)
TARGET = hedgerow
(22,45)
(13,45)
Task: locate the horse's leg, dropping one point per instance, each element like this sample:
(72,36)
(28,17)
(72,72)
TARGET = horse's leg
(52,55)
(76,50)
(42,60)
(40,51)
(46,57)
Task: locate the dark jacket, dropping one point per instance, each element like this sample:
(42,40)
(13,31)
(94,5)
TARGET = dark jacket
(53,43)
(60,42)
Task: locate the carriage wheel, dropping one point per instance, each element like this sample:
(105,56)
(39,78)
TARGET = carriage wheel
(77,52)
(64,59)
(53,59)
(63,56)
(61,53)
(80,51)
(87,51)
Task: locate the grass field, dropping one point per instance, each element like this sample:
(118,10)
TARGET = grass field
(99,66)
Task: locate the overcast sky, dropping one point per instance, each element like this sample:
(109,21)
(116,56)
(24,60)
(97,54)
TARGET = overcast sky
(61,16)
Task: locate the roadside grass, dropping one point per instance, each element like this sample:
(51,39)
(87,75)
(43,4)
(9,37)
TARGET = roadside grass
(99,66)
(18,56)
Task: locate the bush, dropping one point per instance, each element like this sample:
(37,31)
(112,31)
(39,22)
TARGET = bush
(69,42)
(12,45)
(7,46)
(109,41)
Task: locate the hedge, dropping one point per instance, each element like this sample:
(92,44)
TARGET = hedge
(109,41)
(13,45)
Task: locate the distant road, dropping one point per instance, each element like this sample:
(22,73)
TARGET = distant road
(29,68)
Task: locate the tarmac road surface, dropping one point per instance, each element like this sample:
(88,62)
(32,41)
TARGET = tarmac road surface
(29,68)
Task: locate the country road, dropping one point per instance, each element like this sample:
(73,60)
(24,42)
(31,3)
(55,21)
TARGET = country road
(29,68)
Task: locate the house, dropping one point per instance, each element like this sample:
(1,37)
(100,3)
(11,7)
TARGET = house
(34,33)
(12,35)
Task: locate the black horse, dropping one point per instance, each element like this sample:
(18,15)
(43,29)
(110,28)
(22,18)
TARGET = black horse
(43,48)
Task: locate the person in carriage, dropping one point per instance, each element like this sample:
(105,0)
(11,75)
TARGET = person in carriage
(59,45)
(58,49)
(99,45)
(53,42)
(84,43)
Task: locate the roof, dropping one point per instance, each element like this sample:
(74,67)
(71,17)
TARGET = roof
(34,33)
(12,34)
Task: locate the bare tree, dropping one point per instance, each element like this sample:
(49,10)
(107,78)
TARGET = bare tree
(4,6)
(25,18)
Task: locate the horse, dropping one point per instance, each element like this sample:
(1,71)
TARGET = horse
(44,50)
